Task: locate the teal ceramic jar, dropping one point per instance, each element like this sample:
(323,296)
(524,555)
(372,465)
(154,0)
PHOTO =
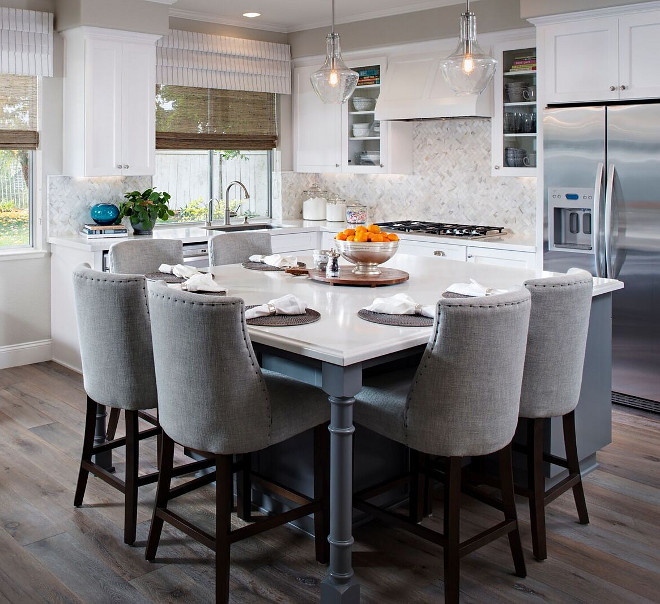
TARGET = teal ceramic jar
(104,213)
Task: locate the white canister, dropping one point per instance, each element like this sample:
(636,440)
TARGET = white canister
(335,209)
(314,204)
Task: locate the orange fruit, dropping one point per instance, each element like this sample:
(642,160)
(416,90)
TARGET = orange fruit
(361,237)
(350,238)
(349,232)
(393,237)
(341,236)
(360,229)
(373,228)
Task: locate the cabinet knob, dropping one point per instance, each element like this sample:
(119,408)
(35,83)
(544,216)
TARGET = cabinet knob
(612,88)
(382,166)
(622,87)
(439,253)
(126,166)
(497,167)
(336,165)
(469,256)
(118,166)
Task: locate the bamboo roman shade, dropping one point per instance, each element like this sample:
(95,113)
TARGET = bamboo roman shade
(207,118)
(18,112)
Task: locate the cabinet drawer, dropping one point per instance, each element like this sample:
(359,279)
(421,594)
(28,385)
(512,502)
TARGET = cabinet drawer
(441,250)
(497,257)
(294,242)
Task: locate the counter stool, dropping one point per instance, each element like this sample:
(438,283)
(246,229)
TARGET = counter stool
(462,401)
(215,399)
(232,248)
(118,372)
(552,380)
(142,256)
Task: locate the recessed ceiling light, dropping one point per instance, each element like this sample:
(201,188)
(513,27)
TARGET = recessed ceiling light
(251,15)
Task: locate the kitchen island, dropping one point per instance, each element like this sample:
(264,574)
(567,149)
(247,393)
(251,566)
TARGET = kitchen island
(333,353)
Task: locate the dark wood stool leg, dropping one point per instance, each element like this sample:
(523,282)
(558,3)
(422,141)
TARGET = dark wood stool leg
(244,489)
(418,486)
(88,445)
(452,503)
(536,484)
(113,422)
(223,504)
(570,444)
(509,505)
(322,492)
(132,465)
(162,495)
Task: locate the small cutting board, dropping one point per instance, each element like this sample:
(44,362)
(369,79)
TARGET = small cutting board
(388,276)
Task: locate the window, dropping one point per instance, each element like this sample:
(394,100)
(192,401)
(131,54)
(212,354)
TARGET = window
(207,138)
(18,139)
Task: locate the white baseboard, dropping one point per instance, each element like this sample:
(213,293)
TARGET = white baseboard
(25,354)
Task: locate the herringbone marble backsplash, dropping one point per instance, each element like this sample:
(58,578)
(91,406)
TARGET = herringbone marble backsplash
(451,182)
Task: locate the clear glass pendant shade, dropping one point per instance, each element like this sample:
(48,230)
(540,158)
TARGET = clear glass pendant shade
(334,82)
(468,69)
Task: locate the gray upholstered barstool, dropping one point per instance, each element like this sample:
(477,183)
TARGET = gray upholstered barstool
(232,248)
(215,399)
(141,256)
(462,401)
(118,372)
(552,380)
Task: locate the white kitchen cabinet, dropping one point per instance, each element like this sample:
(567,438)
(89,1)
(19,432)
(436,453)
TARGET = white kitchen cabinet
(324,136)
(514,123)
(295,242)
(440,250)
(109,102)
(607,58)
(501,257)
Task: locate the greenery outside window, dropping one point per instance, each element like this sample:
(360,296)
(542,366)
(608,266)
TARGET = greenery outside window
(207,138)
(18,139)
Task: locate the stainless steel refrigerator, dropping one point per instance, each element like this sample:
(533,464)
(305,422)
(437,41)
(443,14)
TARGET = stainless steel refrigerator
(602,213)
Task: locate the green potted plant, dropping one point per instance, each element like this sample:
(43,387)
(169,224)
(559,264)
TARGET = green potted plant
(143,209)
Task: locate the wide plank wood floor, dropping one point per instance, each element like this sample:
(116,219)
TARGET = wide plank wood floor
(53,552)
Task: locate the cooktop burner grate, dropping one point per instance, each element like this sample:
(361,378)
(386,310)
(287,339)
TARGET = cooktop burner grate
(468,231)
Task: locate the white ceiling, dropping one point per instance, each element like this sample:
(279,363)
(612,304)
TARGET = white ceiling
(295,15)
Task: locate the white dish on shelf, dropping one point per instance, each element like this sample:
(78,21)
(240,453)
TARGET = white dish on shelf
(361,129)
(363,103)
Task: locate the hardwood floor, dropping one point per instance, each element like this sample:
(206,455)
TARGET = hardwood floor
(53,552)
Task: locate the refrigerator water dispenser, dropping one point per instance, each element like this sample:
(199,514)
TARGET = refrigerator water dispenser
(570,213)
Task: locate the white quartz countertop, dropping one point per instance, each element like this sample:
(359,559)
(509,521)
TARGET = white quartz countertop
(198,234)
(340,336)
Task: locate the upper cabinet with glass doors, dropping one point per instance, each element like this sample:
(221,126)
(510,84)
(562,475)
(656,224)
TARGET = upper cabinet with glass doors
(514,124)
(346,138)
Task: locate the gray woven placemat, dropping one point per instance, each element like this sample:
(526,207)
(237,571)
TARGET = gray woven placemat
(260,266)
(453,295)
(396,320)
(167,277)
(310,316)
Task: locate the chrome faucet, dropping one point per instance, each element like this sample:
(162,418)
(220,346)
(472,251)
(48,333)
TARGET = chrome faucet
(209,216)
(231,184)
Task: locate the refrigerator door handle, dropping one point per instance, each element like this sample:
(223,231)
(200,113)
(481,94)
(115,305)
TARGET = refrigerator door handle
(598,187)
(609,265)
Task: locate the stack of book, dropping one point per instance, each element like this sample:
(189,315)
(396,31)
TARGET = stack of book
(524,63)
(368,75)
(94,231)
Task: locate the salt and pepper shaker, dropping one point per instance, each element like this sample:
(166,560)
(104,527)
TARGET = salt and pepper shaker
(332,269)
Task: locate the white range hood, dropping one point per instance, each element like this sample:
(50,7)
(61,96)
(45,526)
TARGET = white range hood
(414,88)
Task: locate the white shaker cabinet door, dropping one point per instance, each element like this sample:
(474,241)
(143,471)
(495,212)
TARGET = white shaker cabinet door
(102,111)
(501,257)
(138,109)
(582,62)
(316,127)
(639,46)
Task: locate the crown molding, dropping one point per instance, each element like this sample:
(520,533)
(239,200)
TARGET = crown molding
(209,18)
(611,11)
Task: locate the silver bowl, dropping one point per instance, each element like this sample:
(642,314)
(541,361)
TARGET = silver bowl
(366,256)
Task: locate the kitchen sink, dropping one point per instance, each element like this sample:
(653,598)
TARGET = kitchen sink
(241,227)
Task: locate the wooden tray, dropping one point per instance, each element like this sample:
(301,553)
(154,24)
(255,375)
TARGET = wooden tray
(388,276)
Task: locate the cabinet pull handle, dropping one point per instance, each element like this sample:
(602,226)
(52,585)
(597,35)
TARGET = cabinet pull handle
(469,256)
(439,253)
(612,88)
(119,166)
(622,87)
(126,166)
(336,165)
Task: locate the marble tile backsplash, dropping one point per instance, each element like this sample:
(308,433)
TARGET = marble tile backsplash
(451,182)
(70,199)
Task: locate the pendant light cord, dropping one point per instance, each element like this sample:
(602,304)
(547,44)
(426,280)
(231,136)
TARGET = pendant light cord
(333,16)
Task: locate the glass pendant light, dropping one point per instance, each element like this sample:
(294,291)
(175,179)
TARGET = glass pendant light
(468,69)
(334,82)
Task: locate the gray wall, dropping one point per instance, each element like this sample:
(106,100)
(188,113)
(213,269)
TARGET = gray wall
(227,30)
(435,24)
(540,8)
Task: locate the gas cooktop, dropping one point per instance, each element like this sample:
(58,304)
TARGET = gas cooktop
(466,231)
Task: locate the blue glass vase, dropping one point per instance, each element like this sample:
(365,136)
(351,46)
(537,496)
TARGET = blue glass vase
(104,213)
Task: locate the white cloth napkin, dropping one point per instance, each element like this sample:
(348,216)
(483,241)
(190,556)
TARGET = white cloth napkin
(178,270)
(203,282)
(400,304)
(474,289)
(286,305)
(275,260)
